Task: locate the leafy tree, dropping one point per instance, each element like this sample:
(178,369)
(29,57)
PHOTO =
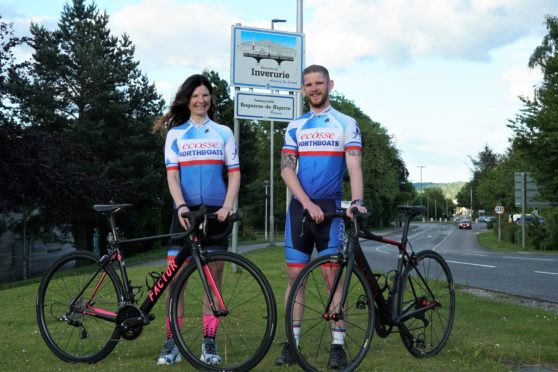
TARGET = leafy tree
(7,63)
(536,127)
(384,173)
(84,83)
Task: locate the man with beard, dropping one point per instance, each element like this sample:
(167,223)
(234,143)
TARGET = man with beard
(322,142)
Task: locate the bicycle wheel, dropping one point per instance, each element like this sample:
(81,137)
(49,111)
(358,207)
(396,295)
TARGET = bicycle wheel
(426,284)
(72,290)
(306,310)
(244,333)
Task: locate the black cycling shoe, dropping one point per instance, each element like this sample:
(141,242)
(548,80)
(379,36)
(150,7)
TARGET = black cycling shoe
(286,356)
(337,357)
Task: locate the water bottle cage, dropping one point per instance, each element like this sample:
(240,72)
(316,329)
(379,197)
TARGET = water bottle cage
(155,276)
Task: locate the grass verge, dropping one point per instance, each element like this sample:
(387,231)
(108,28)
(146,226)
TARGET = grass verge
(487,335)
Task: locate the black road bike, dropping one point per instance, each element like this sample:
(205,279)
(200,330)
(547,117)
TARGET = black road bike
(341,292)
(86,303)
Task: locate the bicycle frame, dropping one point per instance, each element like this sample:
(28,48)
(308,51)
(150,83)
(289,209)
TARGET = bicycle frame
(389,312)
(196,253)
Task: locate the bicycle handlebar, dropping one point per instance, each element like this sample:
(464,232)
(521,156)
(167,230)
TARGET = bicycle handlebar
(201,215)
(359,218)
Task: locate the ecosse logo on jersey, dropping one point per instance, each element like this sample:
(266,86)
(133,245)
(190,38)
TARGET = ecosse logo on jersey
(200,145)
(317,135)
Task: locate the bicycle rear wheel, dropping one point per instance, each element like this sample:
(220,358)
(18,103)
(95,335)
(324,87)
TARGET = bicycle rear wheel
(306,310)
(426,284)
(71,292)
(244,334)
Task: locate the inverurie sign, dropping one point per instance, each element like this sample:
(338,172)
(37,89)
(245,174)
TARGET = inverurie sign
(266,59)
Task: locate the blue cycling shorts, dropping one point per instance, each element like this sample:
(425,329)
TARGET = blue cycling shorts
(299,244)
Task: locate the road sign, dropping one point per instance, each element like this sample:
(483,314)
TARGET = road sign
(264,106)
(529,188)
(499,209)
(266,59)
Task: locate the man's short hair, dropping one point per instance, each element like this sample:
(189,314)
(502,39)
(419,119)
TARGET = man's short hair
(316,68)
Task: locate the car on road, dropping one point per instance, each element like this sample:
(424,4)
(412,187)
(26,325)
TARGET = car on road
(482,219)
(465,224)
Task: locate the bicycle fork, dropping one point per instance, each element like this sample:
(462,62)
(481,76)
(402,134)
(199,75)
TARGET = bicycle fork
(212,292)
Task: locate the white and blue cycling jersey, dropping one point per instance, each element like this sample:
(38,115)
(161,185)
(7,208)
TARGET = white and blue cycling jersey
(319,141)
(199,153)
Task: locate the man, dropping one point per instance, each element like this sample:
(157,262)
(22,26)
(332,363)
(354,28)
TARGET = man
(322,142)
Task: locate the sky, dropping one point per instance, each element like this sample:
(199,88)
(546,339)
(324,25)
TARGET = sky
(443,77)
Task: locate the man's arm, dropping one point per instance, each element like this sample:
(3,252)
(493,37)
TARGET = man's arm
(288,173)
(353,159)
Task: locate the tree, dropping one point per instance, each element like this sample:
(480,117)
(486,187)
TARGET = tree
(7,63)
(384,172)
(83,83)
(536,127)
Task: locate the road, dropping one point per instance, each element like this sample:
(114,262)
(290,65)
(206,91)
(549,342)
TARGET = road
(526,274)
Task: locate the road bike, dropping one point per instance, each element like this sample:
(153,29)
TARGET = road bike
(86,303)
(340,293)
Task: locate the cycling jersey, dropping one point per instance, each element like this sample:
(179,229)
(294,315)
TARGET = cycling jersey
(199,153)
(320,141)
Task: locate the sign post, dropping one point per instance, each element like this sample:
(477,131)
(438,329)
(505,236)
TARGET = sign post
(499,209)
(266,60)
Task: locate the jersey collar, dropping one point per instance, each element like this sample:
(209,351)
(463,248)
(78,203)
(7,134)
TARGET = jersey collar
(204,122)
(323,112)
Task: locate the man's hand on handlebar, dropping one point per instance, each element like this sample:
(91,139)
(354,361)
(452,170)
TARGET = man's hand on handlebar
(315,212)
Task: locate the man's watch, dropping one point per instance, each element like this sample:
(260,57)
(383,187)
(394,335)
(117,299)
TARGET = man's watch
(358,202)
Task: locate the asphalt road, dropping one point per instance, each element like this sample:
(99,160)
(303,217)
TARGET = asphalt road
(527,274)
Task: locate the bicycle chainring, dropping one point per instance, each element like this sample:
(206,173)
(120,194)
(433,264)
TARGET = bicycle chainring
(382,329)
(129,322)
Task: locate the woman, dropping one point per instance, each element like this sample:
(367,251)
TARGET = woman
(196,149)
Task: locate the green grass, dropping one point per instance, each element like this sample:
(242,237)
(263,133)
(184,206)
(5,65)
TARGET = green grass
(487,335)
(489,240)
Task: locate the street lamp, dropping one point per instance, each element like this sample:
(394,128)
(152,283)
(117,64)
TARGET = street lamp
(271,212)
(275,20)
(420,167)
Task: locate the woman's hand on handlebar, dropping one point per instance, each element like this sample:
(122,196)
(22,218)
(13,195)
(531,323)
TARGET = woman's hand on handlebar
(185,222)
(360,208)
(223,213)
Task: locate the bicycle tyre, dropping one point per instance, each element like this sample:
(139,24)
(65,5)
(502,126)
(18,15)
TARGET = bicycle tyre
(315,330)
(245,334)
(88,339)
(425,335)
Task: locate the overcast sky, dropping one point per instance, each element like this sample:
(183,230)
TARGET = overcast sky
(442,76)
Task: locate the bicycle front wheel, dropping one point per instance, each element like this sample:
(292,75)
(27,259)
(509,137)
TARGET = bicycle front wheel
(317,327)
(244,324)
(72,292)
(426,303)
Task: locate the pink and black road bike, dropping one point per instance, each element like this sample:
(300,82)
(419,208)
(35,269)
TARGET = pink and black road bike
(86,303)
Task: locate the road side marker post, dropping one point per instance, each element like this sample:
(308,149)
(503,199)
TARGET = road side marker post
(499,209)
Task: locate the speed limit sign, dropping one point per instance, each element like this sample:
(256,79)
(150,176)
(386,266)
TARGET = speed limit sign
(499,209)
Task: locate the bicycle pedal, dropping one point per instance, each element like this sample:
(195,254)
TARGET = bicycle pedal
(361,302)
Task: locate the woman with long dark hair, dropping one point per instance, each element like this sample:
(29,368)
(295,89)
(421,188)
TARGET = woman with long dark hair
(196,150)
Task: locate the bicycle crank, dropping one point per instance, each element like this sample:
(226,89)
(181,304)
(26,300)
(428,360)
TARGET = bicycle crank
(129,322)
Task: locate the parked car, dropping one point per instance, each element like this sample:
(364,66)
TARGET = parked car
(482,219)
(465,224)
(529,218)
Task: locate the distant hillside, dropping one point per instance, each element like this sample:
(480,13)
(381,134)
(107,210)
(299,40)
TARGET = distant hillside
(450,190)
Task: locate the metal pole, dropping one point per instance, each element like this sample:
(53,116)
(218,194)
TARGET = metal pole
(234,245)
(271,219)
(523,207)
(266,185)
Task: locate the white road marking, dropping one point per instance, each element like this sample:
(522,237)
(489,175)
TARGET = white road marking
(528,258)
(475,254)
(471,264)
(546,272)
